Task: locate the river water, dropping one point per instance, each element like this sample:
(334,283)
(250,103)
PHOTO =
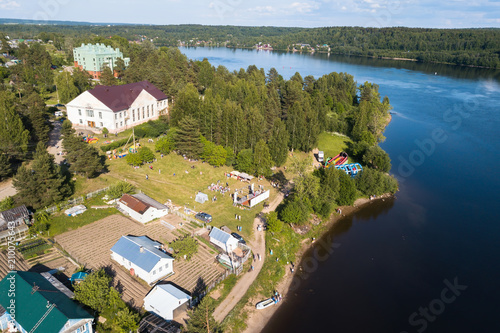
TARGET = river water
(429,260)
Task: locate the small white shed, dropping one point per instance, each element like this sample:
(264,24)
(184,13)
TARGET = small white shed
(223,240)
(166,301)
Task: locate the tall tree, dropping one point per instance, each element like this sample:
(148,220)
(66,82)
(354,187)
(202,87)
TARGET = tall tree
(188,138)
(13,135)
(66,87)
(41,183)
(201,319)
(107,78)
(34,110)
(262,159)
(278,142)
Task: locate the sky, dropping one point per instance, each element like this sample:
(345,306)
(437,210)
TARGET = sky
(289,13)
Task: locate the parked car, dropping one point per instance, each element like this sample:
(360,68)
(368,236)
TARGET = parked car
(238,237)
(59,105)
(207,218)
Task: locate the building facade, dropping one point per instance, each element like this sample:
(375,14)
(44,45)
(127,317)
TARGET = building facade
(117,108)
(166,301)
(95,57)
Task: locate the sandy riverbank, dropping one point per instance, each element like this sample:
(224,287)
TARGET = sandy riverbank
(258,319)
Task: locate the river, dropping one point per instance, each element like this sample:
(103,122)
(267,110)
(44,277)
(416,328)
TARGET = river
(427,261)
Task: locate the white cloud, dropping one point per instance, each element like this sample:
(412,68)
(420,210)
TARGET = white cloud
(305,7)
(9,4)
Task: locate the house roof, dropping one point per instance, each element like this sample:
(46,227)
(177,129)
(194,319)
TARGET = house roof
(134,203)
(121,97)
(14,214)
(150,201)
(220,235)
(129,247)
(166,297)
(140,202)
(38,302)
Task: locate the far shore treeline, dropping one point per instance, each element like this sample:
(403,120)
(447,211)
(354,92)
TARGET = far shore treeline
(468,47)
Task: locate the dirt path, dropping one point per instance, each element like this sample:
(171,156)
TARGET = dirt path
(6,189)
(258,246)
(54,145)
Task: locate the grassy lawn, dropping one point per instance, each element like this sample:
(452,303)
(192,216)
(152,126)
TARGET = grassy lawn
(59,222)
(332,144)
(182,187)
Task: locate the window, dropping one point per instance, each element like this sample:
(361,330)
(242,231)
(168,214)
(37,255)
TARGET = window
(116,125)
(90,113)
(81,121)
(148,112)
(121,123)
(116,116)
(160,269)
(79,112)
(102,125)
(100,115)
(152,113)
(125,113)
(166,265)
(121,114)
(133,117)
(148,109)
(154,272)
(82,329)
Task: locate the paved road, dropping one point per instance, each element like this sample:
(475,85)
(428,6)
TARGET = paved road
(258,245)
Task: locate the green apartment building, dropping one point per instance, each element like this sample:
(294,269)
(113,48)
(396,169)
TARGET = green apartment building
(93,58)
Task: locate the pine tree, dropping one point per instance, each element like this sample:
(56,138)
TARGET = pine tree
(34,109)
(5,167)
(41,183)
(278,142)
(66,87)
(262,159)
(201,319)
(13,135)
(107,78)
(188,138)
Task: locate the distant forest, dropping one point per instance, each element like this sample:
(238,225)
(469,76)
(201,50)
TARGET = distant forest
(468,47)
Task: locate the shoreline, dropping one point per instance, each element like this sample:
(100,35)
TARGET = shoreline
(257,320)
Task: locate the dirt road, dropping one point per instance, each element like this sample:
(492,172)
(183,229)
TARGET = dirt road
(258,246)
(54,145)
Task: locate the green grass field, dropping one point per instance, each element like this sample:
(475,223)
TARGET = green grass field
(179,182)
(332,144)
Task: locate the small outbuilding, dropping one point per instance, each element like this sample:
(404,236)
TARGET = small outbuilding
(201,197)
(166,301)
(223,240)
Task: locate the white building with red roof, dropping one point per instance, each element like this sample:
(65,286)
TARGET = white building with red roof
(117,107)
(141,208)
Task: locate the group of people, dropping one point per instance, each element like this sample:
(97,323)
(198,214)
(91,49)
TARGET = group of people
(237,217)
(219,188)
(239,227)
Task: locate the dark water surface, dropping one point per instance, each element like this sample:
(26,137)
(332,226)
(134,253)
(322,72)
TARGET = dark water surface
(429,260)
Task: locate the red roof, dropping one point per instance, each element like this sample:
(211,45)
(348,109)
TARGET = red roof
(121,97)
(134,203)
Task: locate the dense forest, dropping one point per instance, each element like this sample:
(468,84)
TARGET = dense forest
(469,47)
(247,118)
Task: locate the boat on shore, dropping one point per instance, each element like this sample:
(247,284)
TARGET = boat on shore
(266,303)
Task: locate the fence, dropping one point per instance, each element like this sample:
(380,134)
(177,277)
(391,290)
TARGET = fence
(222,277)
(75,201)
(187,217)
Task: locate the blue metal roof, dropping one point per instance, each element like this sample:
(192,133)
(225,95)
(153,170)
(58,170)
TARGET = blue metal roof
(129,247)
(220,235)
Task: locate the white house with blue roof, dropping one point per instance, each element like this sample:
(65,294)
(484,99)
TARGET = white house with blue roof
(223,240)
(143,257)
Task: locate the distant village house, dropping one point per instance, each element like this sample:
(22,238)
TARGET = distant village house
(13,222)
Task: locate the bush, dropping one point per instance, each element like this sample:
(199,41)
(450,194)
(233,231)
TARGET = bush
(117,190)
(185,246)
(134,159)
(146,155)
(114,145)
(273,223)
